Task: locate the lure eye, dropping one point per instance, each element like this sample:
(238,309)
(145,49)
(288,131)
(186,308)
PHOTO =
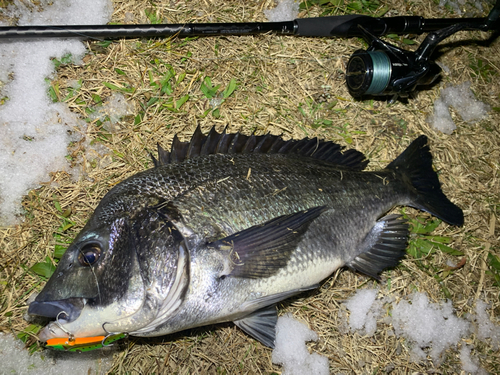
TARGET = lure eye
(89,254)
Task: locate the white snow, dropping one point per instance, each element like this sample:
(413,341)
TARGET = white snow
(484,327)
(456,4)
(286,10)
(469,364)
(34,132)
(429,328)
(114,108)
(462,99)
(291,351)
(15,359)
(61,12)
(441,120)
(428,325)
(364,311)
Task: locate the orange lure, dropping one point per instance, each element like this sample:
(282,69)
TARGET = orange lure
(83,344)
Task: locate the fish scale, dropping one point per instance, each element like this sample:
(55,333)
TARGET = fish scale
(226,226)
(232,202)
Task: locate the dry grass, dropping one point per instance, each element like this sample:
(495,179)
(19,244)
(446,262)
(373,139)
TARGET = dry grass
(276,75)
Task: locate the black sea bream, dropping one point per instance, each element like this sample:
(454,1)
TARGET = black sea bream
(226,226)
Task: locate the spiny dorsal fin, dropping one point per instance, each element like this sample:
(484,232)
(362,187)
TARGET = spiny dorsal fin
(197,141)
(179,150)
(238,143)
(211,143)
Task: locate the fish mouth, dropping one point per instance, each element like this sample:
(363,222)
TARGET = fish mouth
(64,311)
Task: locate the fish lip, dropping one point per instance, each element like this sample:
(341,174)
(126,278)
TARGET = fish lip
(66,310)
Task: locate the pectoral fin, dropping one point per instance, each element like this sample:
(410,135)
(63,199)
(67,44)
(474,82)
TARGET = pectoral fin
(262,250)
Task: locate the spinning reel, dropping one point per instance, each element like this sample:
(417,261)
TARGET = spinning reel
(384,69)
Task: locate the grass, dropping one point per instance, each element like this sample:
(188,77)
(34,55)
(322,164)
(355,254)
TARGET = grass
(282,85)
(336,7)
(424,244)
(216,98)
(482,69)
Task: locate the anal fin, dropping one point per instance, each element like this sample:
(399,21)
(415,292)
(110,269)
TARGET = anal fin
(261,325)
(383,247)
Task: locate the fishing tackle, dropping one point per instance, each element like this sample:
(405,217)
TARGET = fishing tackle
(84,344)
(382,69)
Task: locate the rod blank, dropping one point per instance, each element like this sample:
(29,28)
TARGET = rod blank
(333,26)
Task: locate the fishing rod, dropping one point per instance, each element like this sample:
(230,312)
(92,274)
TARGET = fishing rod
(345,26)
(382,69)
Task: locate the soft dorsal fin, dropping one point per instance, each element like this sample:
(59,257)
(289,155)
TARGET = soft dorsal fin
(383,247)
(238,143)
(262,250)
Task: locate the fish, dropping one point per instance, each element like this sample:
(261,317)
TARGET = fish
(225,226)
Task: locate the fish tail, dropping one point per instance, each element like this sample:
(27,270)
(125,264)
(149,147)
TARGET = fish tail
(415,167)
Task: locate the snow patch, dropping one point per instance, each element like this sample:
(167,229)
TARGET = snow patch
(291,351)
(461,98)
(34,131)
(429,328)
(286,10)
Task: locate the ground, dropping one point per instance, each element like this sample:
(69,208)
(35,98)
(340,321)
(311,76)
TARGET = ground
(284,85)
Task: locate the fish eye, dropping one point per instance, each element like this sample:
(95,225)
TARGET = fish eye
(89,254)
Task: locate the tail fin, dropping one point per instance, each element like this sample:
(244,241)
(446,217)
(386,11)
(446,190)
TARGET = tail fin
(415,165)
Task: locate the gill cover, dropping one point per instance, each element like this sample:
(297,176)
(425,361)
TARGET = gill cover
(163,259)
